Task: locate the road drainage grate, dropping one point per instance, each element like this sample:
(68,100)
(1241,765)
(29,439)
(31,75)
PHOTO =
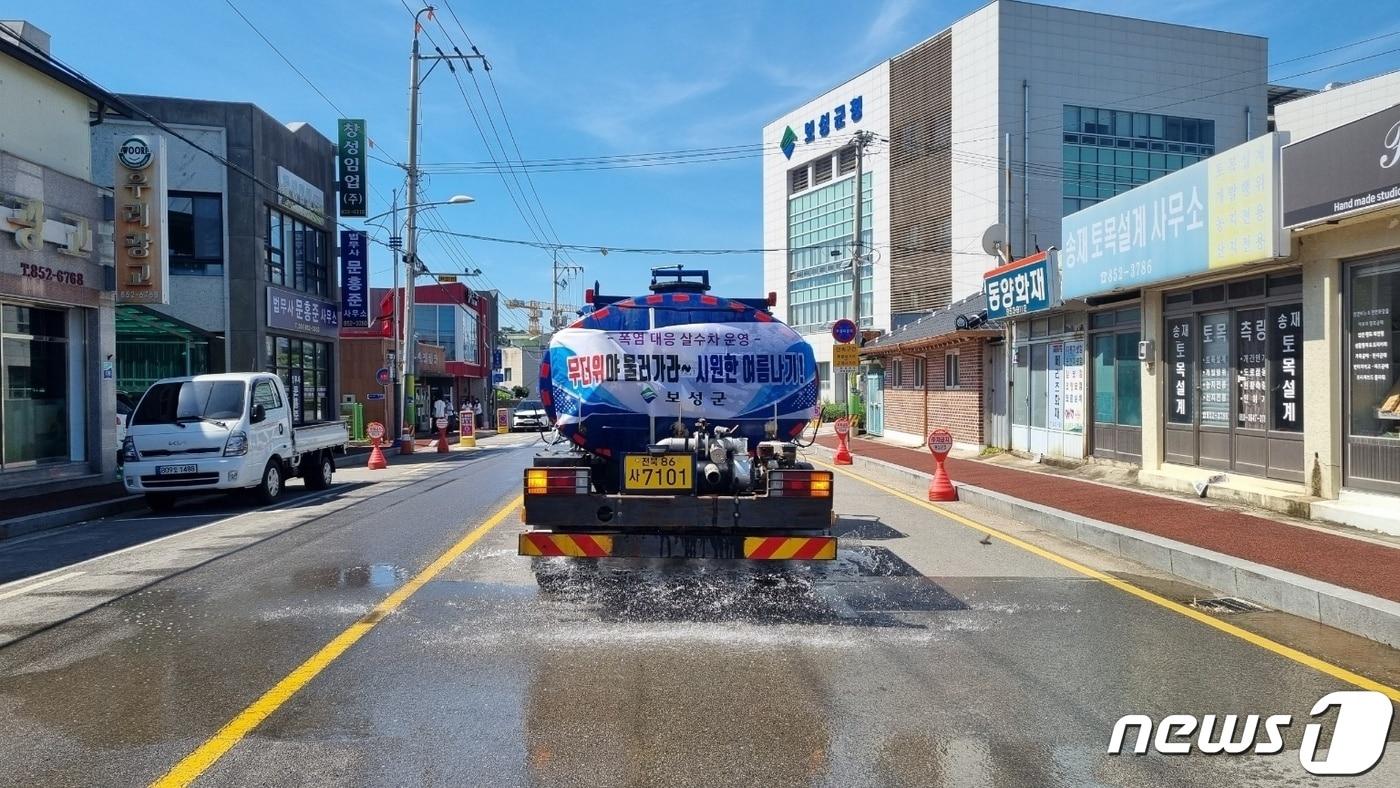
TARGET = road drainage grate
(1226,605)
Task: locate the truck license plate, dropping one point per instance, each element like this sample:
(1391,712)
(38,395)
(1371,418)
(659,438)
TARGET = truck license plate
(643,472)
(171,470)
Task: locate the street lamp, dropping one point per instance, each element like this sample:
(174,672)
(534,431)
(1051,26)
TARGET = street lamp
(402,365)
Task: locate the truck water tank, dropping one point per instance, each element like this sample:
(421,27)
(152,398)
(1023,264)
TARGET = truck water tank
(623,374)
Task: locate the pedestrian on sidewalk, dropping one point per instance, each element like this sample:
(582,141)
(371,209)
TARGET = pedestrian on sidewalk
(439,410)
(476,411)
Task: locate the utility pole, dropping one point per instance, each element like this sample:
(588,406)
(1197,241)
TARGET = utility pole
(555,320)
(862,139)
(395,407)
(410,257)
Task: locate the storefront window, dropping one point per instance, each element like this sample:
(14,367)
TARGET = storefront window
(1181,341)
(1037,392)
(1020,384)
(1215,369)
(1104,411)
(34,358)
(304,367)
(1286,366)
(1375,387)
(1251,387)
(296,254)
(1129,380)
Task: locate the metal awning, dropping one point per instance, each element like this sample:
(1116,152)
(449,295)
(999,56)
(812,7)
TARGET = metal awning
(136,323)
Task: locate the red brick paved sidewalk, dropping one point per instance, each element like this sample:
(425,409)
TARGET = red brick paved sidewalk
(1351,563)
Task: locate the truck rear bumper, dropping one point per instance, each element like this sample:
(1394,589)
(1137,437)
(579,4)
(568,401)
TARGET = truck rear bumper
(546,544)
(668,512)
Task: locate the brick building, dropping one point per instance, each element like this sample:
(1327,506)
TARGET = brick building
(933,375)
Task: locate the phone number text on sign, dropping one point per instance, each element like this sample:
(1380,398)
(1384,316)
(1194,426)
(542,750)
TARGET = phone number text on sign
(47,274)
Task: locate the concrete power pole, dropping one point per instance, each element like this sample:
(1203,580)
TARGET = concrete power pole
(410,255)
(862,139)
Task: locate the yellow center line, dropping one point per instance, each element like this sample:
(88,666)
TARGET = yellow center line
(1287,652)
(199,761)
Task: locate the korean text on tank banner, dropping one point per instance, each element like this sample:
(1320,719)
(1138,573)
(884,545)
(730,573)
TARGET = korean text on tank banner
(718,368)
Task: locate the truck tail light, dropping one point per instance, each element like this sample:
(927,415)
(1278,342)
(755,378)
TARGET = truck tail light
(799,484)
(556,481)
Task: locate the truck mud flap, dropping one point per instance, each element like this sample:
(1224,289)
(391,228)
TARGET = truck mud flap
(726,546)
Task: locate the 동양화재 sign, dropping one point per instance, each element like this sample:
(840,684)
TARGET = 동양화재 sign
(1217,213)
(1021,287)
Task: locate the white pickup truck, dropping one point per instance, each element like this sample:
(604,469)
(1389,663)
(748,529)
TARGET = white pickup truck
(223,432)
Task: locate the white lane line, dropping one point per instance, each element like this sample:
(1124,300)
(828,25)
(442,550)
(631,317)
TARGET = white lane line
(40,584)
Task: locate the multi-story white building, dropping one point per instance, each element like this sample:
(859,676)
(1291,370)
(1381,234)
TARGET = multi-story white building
(1089,105)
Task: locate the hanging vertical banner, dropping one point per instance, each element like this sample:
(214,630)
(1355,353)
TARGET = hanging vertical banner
(354,279)
(142,253)
(350,167)
(1074,386)
(1054,387)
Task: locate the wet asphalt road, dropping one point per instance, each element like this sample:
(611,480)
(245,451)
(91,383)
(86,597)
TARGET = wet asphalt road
(922,657)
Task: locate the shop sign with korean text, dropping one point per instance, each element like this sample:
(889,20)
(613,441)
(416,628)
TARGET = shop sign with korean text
(1215,214)
(354,279)
(300,197)
(1021,287)
(352,176)
(1349,170)
(293,311)
(142,240)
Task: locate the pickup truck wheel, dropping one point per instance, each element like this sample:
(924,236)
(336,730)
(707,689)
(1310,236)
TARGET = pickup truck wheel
(160,502)
(319,476)
(271,485)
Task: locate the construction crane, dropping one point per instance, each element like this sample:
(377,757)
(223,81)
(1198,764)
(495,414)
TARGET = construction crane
(534,310)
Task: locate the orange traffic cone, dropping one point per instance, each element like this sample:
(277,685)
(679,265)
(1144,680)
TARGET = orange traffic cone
(376,458)
(442,441)
(941,487)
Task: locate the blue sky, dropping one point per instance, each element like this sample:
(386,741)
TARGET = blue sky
(594,78)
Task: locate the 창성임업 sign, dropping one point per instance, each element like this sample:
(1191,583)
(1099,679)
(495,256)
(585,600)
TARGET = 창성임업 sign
(350,167)
(845,356)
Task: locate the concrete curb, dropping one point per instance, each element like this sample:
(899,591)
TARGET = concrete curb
(31,523)
(1336,606)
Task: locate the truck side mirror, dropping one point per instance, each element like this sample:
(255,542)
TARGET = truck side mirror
(259,414)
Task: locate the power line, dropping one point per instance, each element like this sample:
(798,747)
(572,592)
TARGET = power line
(135,111)
(837,244)
(304,77)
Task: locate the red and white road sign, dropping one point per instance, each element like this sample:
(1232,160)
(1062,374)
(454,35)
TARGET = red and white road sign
(940,442)
(375,430)
(441,423)
(842,426)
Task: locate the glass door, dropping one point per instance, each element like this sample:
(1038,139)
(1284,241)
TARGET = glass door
(34,376)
